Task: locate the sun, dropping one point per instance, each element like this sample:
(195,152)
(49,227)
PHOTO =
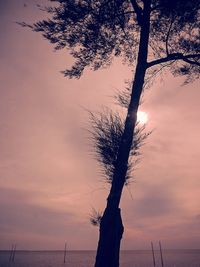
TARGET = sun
(142,117)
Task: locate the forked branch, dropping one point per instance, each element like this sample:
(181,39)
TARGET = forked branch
(138,10)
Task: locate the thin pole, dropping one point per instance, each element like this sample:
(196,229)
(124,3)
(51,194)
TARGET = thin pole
(11,252)
(161,254)
(153,254)
(65,251)
(13,255)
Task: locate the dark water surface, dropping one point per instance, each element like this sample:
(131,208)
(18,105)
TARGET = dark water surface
(135,258)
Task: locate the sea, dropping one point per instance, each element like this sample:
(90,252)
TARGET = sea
(131,258)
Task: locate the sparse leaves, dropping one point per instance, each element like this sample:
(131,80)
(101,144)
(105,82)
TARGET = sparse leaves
(95,217)
(106,133)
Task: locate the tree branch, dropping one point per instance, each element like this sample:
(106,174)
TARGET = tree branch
(167,36)
(138,10)
(191,62)
(175,56)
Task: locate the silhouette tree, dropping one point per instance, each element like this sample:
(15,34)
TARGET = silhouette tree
(149,34)
(106,131)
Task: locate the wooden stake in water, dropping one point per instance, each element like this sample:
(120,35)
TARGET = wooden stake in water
(161,254)
(14,251)
(153,254)
(11,252)
(65,252)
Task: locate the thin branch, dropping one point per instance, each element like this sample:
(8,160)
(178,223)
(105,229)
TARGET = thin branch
(127,12)
(175,56)
(167,37)
(155,73)
(191,62)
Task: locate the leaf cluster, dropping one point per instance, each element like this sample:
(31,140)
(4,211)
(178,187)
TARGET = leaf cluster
(175,29)
(106,131)
(95,31)
(95,217)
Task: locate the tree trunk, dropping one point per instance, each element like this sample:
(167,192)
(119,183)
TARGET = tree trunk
(111,227)
(111,231)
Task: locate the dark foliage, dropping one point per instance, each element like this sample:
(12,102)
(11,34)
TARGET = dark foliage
(96,31)
(95,217)
(106,132)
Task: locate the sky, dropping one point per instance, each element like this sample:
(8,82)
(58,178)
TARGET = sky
(49,179)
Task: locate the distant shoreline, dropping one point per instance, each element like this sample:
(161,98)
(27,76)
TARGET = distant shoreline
(185,250)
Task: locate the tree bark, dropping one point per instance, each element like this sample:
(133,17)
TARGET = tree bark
(111,231)
(111,227)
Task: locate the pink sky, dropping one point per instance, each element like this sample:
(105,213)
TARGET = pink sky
(49,181)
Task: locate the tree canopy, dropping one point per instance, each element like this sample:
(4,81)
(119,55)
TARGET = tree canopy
(95,31)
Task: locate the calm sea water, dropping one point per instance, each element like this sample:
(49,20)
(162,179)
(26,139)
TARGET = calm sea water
(139,258)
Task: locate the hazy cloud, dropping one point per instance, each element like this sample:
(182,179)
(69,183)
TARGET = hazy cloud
(49,180)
